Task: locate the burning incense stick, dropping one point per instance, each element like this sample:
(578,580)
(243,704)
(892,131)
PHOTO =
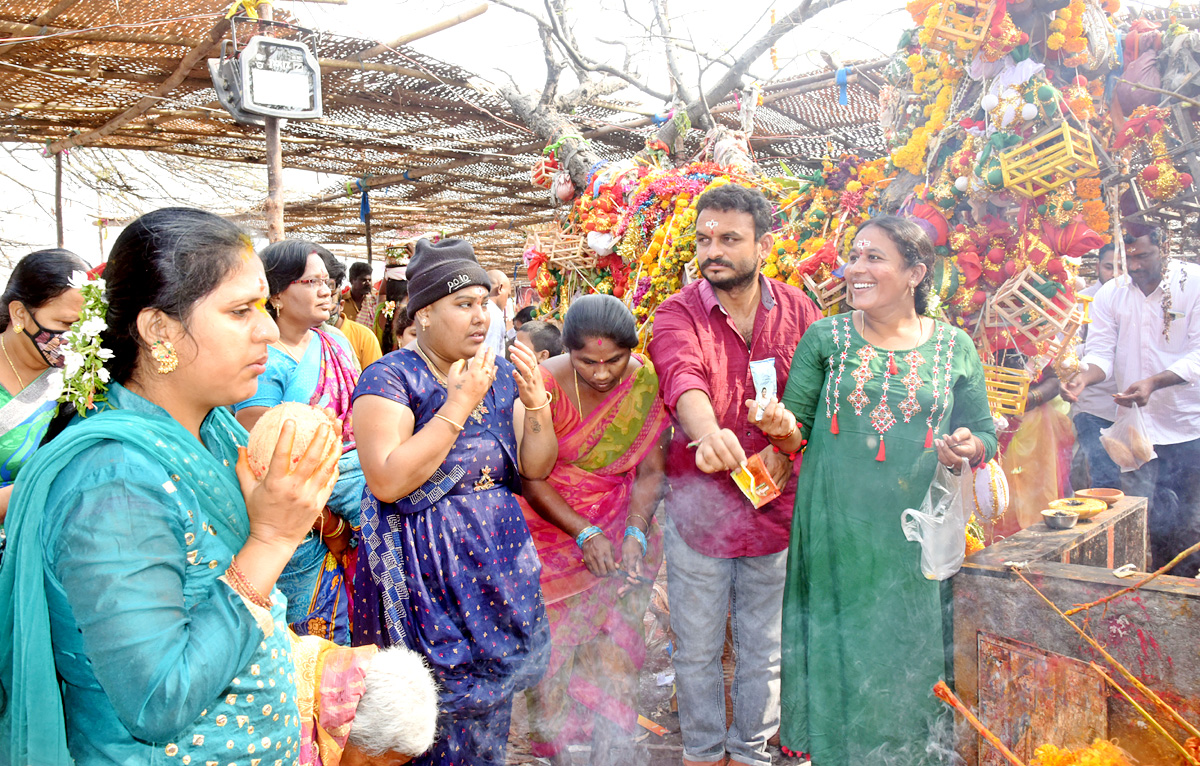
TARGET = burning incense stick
(1135,586)
(1149,718)
(1141,687)
(942,692)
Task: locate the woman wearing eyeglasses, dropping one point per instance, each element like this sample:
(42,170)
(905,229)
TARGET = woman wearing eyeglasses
(309,365)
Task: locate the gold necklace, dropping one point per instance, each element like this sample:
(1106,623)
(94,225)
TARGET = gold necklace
(575,377)
(437,373)
(289,349)
(10,363)
(480,410)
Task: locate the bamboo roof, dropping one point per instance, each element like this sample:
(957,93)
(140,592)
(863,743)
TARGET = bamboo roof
(446,148)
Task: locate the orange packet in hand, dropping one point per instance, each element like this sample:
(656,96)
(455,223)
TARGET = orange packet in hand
(755,482)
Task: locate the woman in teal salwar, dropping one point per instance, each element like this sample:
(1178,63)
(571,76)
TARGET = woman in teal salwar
(882,395)
(312,365)
(140,621)
(38,305)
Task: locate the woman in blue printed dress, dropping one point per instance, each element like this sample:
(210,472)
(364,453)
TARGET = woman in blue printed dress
(446,564)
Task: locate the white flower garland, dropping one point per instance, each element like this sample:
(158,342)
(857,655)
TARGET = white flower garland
(84,379)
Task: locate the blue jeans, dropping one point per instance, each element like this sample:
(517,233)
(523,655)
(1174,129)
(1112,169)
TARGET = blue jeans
(702,590)
(1102,471)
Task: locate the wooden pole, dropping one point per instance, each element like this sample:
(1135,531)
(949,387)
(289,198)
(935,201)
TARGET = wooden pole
(58,210)
(367,221)
(377,50)
(273,207)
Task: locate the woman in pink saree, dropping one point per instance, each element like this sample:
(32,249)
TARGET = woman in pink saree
(593,524)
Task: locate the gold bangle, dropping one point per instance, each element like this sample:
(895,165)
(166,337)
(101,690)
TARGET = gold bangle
(543,405)
(786,436)
(457,427)
(637,516)
(336,530)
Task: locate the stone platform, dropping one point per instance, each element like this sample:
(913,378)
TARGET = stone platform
(1025,671)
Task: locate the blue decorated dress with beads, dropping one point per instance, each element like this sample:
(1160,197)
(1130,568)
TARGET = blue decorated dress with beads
(160,660)
(451,570)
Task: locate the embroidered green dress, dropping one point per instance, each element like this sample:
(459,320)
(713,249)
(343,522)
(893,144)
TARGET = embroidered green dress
(863,629)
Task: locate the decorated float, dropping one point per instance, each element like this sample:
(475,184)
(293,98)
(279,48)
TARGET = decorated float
(1022,137)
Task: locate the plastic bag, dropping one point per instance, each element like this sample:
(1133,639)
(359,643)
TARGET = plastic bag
(941,524)
(1126,440)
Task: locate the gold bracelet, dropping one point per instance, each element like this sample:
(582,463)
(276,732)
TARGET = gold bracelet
(543,405)
(786,436)
(336,530)
(637,516)
(440,416)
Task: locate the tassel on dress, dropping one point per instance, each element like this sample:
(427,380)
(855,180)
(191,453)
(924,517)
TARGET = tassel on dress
(882,454)
(833,426)
(929,438)
(892,364)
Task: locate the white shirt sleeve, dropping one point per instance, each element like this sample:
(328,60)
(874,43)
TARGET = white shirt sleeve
(1101,345)
(1188,366)
(496,330)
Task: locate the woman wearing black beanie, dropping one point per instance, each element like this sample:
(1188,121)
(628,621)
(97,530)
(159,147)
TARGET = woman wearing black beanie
(446,564)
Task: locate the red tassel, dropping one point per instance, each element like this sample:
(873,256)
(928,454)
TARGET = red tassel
(882,454)
(929,438)
(833,426)
(892,364)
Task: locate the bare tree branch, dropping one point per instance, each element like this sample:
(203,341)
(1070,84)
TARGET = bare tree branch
(664,26)
(553,68)
(542,23)
(588,65)
(587,93)
(574,153)
(565,40)
(729,81)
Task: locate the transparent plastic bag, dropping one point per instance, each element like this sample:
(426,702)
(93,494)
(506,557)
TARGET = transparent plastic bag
(1126,440)
(940,526)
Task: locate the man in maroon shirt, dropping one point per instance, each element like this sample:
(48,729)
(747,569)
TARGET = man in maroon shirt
(723,555)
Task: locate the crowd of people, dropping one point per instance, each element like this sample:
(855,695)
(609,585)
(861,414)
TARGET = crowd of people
(495,502)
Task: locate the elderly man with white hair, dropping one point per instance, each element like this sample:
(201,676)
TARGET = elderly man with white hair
(362,706)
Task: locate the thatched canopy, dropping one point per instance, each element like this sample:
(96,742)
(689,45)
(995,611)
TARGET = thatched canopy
(443,148)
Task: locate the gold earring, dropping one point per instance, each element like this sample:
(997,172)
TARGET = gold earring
(912,288)
(164,353)
(424,323)
(18,328)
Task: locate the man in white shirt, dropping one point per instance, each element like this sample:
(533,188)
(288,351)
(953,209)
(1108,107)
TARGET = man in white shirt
(497,306)
(1145,333)
(1095,408)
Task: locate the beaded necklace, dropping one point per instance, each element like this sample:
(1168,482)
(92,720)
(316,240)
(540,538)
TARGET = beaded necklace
(837,383)
(944,391)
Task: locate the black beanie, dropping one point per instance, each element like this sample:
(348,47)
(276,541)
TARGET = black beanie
(438,269)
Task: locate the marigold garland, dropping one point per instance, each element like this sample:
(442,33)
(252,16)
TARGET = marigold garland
(1100,753)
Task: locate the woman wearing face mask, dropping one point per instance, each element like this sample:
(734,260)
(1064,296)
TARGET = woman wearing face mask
(446,565)
(882,395)
(595,533)
(38,306)
(309,365)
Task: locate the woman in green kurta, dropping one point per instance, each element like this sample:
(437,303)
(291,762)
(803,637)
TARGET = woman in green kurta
(881,394)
